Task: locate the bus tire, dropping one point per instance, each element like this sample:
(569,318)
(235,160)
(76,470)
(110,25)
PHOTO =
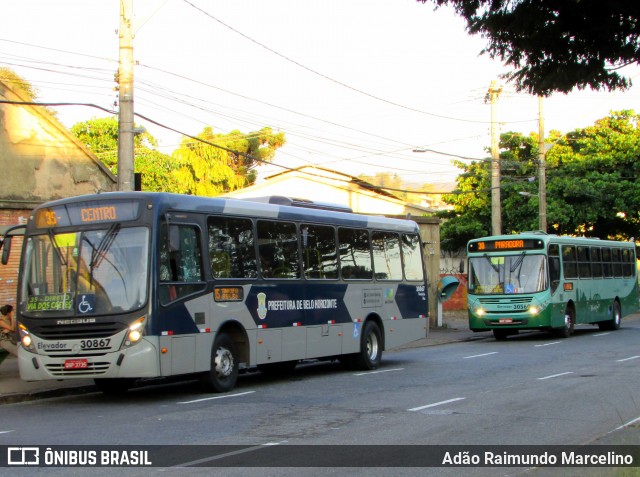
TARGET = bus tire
(614,323)
(222,376)
(568,328)
(114,386)
(370,353)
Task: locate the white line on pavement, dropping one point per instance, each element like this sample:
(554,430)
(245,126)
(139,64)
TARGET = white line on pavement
(480,355)
(556,375)
(216,397)
(378,372)
(436,404)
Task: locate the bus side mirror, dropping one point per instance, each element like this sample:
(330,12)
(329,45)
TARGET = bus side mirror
(6,250)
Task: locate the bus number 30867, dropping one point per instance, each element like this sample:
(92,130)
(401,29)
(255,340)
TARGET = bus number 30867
(89,344)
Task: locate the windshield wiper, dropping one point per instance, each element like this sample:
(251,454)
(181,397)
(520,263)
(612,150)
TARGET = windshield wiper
(517,262)
(98,253)
(52,238)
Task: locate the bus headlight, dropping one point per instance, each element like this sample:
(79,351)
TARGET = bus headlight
(135,331)
(25,338)
(534,310)
(480,311)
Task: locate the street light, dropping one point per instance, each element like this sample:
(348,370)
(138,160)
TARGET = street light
(527,194)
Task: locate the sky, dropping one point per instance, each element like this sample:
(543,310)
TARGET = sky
(356,86)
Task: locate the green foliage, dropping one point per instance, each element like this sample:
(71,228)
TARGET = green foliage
(591,185)
(557,46)
(101,136)
(204,169)
(196,167)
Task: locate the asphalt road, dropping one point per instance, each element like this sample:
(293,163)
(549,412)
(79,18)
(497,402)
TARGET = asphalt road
(533,389)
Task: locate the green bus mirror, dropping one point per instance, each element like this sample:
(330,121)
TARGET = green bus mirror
(447,287)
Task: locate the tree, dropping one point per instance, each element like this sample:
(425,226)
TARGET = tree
(215,163)
(557,45)
(101,136)
(591,185)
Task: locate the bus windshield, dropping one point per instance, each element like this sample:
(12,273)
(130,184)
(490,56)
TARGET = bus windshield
(86,272)
(507,274)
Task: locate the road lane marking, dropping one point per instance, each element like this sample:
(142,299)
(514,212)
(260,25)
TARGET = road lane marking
(627,359)
(436,404)
(603,334)
(556,375)
(216,397)
(378,372)
(547,344)
(228,454)
(625,425)
(480,355)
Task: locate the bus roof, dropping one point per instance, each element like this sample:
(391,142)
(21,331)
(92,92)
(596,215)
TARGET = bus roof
(299,209)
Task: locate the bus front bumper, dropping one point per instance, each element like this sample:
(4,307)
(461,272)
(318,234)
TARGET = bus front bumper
(139,361)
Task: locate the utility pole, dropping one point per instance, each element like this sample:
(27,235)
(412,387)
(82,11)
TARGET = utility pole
(496,211)
(125,98)
(542,175)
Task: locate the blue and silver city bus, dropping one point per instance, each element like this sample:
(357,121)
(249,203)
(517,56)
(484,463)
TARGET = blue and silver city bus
(535,281)
(123,286)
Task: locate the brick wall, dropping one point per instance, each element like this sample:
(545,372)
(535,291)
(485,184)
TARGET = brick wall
(9,272)
(458,300)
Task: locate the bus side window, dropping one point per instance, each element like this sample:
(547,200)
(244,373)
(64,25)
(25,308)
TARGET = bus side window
(596,262)
(569,262)
(180,262)
(232,252)
(607,269)
(355,254)
(617,265)
(386,255)
(411,257)
(278,249)
(319,251)
(554,266)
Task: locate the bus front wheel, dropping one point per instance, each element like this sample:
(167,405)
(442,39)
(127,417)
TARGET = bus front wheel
(223,374)
(568,327)
(370,352)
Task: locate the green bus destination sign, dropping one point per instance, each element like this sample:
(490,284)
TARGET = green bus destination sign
(506,245)
(56,302)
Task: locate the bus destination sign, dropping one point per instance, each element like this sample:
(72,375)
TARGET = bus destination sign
(86,213)
(506,245)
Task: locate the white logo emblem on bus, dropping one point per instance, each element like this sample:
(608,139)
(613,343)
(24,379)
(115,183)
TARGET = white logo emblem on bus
(262,305)
(86,305)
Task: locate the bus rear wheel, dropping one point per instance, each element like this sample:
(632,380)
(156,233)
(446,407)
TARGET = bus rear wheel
(614,323)
(223,374)
(370,352)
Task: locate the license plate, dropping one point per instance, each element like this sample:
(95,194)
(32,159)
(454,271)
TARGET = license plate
(504,321)
(76,364)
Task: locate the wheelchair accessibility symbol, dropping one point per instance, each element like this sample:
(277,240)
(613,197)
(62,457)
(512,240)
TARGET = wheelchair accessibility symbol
(86,304)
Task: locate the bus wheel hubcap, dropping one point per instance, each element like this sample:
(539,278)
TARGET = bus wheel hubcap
(372,347)
(224,362)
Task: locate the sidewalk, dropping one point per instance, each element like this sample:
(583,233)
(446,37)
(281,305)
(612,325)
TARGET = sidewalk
(13,389)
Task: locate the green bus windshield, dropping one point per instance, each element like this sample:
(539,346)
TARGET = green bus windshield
(507,274)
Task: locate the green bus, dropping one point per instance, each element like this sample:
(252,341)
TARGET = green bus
(537,281)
